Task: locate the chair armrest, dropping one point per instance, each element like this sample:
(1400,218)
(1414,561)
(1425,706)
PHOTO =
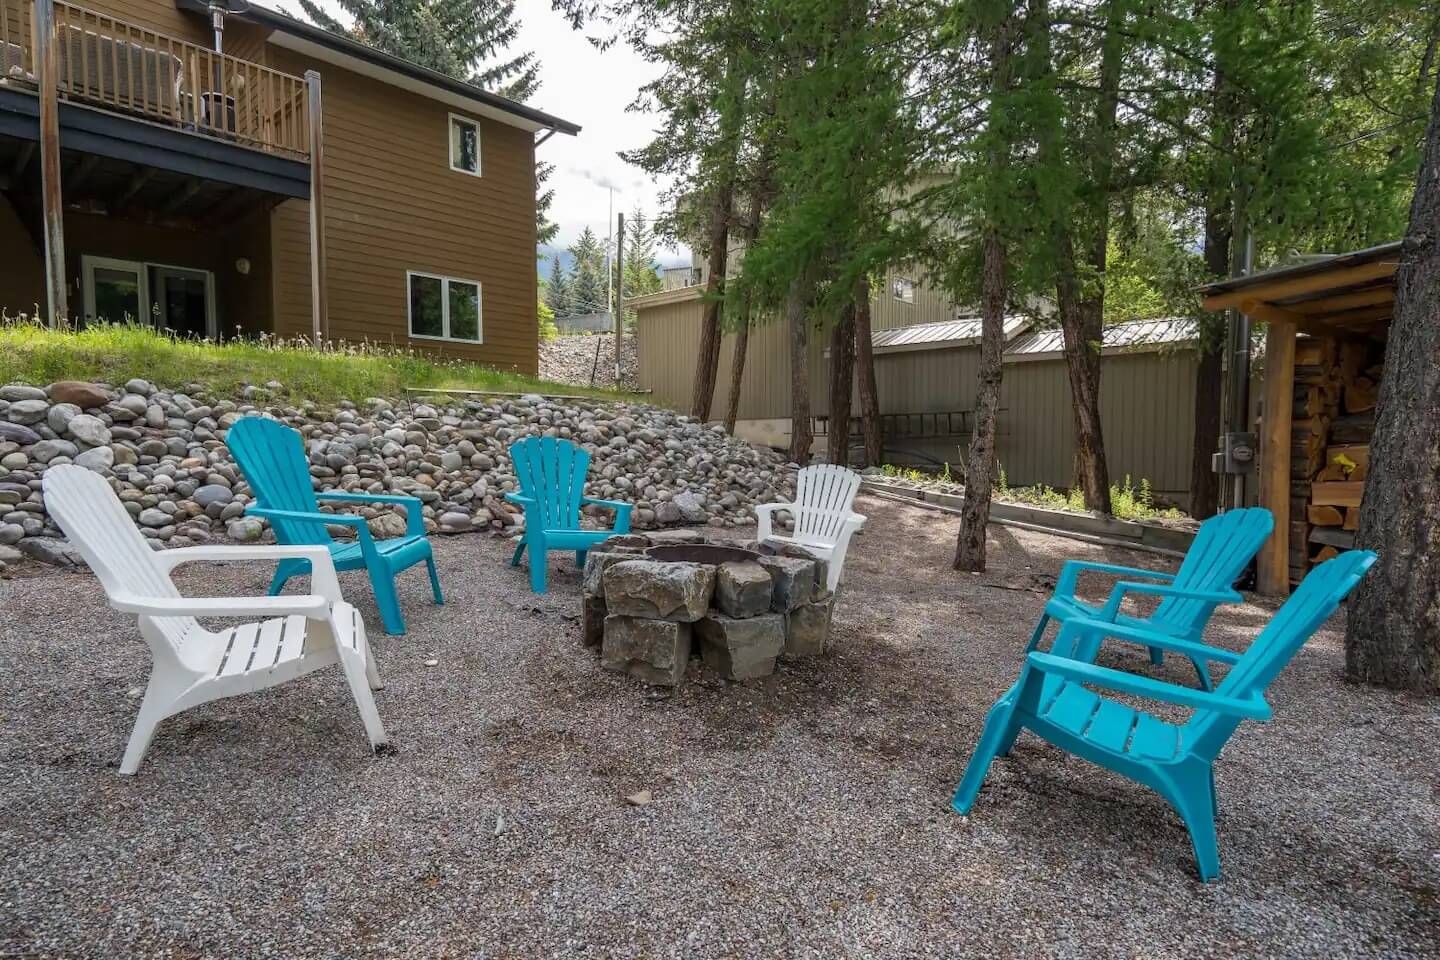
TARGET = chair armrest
(1083,626)
(1070,574)
(854,522)
(763,519)
(1252,708)
(414,515)
(520,500)
(1117,595)
(312,606)
(615,505)
(361,525)
(322,568)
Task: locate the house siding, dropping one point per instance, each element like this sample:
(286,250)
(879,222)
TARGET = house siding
(393,205)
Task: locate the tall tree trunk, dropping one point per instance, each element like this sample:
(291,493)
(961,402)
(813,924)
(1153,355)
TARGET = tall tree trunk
(865,371)
(980,464)
(758,190)
(1082,312)
(1393,631)
(707,358)
(842,376)
(1220,222)
(797,316)
(737,373)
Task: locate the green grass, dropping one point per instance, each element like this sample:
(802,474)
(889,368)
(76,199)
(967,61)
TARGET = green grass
(341,371)
(1127,501)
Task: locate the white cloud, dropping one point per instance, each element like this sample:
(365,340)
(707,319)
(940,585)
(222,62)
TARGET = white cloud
(592,88)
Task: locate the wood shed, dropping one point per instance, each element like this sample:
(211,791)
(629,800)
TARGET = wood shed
(1324,357)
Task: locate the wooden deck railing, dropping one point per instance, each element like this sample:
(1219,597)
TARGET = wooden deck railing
(107,62)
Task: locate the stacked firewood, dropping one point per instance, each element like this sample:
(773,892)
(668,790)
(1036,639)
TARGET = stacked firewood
(1336,382)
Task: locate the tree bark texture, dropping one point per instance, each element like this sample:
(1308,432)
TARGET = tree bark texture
(980,464)
(865,375)
(842,377)
(797,316)
(1393,631)
(1082,325)
(707,359)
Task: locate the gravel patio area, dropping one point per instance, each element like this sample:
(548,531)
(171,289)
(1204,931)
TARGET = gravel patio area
(802,815)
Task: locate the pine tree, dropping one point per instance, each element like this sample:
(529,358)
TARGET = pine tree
(587,285)
(557,289)
(641,271)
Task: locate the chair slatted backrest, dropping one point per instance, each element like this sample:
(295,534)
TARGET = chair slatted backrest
(824,493)
(1222,548)
(1317,597)
(96,523)
(551,471)
(272,457)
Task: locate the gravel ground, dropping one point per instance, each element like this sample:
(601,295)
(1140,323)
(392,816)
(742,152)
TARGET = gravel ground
(804,815)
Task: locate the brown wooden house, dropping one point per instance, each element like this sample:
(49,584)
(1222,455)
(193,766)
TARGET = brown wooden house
(297,183)
(1328,320)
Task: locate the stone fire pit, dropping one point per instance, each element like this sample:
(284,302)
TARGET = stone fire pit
(652,601)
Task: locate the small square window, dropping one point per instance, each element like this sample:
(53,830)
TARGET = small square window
(464,145)
(444,308)
(903,289)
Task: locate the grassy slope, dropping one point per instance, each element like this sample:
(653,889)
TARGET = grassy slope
(114,354)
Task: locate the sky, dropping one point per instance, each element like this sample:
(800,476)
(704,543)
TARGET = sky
(585,86)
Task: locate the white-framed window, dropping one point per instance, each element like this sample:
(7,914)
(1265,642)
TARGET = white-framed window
(464,145)
(443,308)
(903,289)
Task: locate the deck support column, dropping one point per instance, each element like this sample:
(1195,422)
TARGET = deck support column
(1273,563)
(319,312)
(51,202)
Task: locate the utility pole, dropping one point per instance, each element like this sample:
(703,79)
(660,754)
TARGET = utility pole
(619,292)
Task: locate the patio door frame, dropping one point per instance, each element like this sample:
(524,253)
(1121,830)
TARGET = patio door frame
(142,268)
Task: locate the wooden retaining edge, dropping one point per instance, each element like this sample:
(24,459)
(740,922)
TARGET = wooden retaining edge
(432,391)
(1087,528)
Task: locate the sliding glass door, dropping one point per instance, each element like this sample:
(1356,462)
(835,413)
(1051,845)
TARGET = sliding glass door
(177,299)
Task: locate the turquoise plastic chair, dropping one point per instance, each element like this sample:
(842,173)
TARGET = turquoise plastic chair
(1223,547)
(552,490)
(1052,701)
(272,457)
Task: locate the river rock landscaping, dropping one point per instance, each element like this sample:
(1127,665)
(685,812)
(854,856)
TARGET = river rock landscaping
(165,452)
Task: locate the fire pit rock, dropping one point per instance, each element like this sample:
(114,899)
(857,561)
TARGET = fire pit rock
(651,601)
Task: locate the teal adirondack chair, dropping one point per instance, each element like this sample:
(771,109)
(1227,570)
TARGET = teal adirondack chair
(1222,548)
(552,490)
(272,457)
(1051,700)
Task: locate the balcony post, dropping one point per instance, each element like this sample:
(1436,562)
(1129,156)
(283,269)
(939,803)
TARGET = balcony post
(319,316)
(51,203)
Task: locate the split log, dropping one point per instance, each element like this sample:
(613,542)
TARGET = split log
(1325,553)
(1325,516)
(1345,493)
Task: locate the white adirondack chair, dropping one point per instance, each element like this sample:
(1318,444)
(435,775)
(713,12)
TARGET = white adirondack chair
(192,665)
(824,522)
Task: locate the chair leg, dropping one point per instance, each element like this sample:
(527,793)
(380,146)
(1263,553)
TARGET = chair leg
(580,559)
(519,551)
(1157,656)
(1000,730)
(382,581)
(284,570)
(434,581)
(1035,637)
(356,677)
(1196,807)
(537,571)
(1203,673)
(154,708)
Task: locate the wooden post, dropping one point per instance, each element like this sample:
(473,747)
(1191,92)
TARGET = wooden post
(51,203)
(619,292)
(319,315)
(1273,574)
